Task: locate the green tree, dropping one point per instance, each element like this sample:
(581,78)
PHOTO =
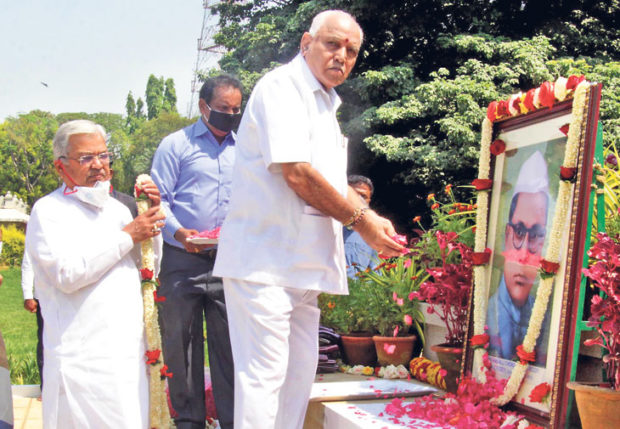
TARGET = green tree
(170,97)
(26,155)
(140,108)
(130,106)
(414,102)
(154,96)
(137,157)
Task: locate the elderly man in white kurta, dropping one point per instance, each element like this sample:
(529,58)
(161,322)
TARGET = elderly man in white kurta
(84,248)
(281,243)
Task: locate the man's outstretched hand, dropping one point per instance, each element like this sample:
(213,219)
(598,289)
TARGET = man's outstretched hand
(377,232)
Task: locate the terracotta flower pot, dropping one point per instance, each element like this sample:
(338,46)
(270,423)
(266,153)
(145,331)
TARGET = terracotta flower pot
(394,350)
(359,349)
(450,359)
(598,406)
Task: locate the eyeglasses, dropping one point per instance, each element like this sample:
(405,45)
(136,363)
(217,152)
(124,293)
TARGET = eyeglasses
(536,236)
(104,158)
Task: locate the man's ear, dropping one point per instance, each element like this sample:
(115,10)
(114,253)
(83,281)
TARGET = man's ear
(305,43)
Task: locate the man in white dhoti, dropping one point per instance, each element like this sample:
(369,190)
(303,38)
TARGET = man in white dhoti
(83,248)
(281,243)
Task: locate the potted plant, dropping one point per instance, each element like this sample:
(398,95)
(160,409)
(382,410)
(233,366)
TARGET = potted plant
(349,316)
(447,294)
(598,404)
(393,311)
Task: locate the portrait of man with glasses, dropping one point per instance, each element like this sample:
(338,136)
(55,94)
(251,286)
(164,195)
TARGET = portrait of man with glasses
(510,307)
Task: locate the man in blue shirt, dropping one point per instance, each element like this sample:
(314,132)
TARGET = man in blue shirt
(193,169)
(358,254)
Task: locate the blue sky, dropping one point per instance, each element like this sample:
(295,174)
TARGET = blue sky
(92,53)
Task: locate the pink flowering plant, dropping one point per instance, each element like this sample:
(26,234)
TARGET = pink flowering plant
(604,273)
(391,304)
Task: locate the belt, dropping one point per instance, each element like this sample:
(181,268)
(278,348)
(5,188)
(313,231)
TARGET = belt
(208,253)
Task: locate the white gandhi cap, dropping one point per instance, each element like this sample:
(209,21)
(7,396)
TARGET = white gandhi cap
(533,175)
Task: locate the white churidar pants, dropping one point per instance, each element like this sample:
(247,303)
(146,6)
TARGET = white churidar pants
(274,339)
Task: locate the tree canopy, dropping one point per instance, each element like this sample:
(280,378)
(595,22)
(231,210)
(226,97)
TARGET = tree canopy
(413,105)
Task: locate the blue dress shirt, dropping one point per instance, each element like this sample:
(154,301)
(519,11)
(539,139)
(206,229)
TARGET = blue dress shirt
(358,254)
(193,173)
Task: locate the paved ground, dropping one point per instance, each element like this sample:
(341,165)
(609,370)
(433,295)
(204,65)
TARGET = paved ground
(27,413)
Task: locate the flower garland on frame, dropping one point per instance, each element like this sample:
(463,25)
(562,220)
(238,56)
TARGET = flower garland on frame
(517,104)
(159,414)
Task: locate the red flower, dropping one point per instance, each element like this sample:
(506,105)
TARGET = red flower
(528,102)
(482,184)
(498,147)
(137,190)
(502,109)
(546,95)
(524,356)
(452,212)
(540,392)
(611,159)
(146,274)
(158,298)
(448,188)
(549,267)
(573,81)
(479,340)
(516,101)
(492,111)
(564,129)
(152,356)
(164,372)
(417,219)
(430,197)
(481,258)
(435,206)
(568,173)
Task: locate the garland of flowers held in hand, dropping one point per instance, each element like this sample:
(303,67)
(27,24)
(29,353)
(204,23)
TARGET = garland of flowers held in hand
(517,104)
(159,414)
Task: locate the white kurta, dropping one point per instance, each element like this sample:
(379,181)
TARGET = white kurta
(89,288)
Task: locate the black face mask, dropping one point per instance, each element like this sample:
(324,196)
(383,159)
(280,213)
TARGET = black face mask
(223,121)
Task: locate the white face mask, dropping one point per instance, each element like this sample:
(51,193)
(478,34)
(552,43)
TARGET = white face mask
(96,196)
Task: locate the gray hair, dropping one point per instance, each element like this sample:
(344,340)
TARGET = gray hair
(68,129)
(319,20)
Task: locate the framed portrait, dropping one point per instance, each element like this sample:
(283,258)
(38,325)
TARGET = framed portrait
(522,210)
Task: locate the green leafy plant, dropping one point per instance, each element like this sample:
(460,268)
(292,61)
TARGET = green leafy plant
(348,313)
(390,302)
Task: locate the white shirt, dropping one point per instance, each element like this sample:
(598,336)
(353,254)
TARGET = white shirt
(90,293)
(27,277)
(271,235)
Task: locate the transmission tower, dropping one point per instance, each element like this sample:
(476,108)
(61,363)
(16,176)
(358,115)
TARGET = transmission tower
(208,52)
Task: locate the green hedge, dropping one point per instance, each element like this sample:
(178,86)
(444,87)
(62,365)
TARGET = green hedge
(13,246)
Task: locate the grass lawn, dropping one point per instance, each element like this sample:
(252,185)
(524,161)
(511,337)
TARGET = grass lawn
(19,329)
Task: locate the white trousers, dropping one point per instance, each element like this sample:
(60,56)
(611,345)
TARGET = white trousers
(274,339)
